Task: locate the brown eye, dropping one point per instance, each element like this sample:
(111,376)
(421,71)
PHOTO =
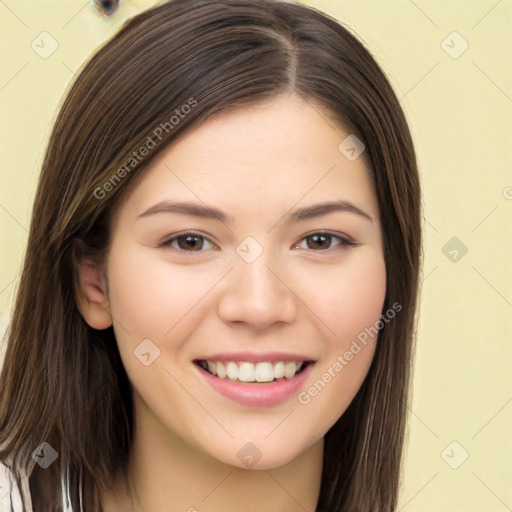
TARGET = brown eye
(323,242)
(319,241)
(187,242)
(192,242)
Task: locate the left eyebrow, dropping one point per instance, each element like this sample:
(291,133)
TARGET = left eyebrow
(317,210)
(208,212)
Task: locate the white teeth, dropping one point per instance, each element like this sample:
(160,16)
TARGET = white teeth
(263,371)
(279,370)
(212,367)
(289,369)
(232,370)
(221,371)
(247,372)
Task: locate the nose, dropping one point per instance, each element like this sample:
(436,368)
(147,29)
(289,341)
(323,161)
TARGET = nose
(258,295)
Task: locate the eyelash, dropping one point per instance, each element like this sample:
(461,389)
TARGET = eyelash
(344,242)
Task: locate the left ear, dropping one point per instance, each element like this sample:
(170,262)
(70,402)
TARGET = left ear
(91,297)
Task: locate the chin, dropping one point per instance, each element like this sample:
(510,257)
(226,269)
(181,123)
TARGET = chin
(258,455)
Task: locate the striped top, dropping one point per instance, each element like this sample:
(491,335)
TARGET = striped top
(10,493)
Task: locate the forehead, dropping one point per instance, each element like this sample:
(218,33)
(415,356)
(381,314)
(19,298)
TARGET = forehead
(269,155)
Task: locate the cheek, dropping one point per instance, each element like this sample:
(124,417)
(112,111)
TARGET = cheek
(153,299)
(348,297)
(149,296)
(352,306)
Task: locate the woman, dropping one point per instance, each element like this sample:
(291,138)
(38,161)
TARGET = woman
(217,304)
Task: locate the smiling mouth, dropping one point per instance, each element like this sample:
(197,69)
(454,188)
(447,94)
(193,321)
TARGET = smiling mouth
(257,373)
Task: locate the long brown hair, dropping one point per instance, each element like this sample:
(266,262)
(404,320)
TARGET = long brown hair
(62,381)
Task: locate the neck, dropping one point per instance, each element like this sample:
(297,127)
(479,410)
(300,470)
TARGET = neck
(164,470)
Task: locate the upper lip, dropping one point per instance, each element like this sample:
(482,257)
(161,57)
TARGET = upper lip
(253,357)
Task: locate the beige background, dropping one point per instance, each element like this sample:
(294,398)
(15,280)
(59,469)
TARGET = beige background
(460,112)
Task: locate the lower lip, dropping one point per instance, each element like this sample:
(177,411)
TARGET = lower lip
(257,394)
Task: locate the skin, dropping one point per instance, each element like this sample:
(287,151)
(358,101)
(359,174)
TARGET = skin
(256,165)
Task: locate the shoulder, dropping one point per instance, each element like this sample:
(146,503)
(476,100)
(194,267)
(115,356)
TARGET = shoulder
(10,493)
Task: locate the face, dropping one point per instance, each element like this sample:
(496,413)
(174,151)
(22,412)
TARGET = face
(222,261)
